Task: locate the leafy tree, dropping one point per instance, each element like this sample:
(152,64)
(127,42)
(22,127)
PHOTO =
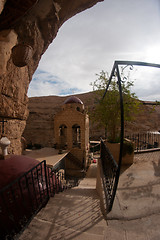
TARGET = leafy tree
(107,110)
(157,102)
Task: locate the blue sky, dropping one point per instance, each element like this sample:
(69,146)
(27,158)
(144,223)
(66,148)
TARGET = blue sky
(92,40)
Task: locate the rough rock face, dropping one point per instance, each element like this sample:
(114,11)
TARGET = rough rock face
(40,124)
(37,27)
(2,2)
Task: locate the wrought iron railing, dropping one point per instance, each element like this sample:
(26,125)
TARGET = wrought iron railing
(24,197)
(56,181)
(144,141)
(109,169)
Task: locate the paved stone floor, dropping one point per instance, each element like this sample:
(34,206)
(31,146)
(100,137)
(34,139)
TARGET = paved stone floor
(75,213)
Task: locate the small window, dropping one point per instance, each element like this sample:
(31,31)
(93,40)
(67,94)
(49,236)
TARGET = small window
(63,136)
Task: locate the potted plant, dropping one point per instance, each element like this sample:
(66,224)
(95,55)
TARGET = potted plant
(127,154)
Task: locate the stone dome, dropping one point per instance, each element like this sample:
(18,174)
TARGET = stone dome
(73,99)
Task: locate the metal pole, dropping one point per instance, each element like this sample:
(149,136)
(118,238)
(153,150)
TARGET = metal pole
(121,139)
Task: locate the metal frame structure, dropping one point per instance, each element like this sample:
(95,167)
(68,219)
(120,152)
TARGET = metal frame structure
(111,177)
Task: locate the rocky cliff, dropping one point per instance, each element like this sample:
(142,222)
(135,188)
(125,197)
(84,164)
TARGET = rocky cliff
(40,124)
(35,23)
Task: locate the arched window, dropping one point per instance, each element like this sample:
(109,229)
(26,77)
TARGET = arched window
(76,136)
(63,136)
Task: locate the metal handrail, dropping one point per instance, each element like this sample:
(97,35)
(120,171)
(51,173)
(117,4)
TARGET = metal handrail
(108,174)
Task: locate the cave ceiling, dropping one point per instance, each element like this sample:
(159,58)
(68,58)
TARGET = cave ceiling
(13,11)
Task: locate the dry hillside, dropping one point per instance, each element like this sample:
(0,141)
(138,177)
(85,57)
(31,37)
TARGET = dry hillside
(40,124)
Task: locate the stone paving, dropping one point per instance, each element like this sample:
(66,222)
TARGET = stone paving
(75,213)
(136,210)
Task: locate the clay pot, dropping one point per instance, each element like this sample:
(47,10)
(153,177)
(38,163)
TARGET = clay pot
(21,54)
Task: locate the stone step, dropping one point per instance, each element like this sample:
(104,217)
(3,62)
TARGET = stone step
(89,183)
(72,214)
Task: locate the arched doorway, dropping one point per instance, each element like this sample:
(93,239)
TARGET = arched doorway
(63,136)
(76,136)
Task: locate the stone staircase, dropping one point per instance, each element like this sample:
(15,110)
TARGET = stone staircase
(72,214)
(75,213)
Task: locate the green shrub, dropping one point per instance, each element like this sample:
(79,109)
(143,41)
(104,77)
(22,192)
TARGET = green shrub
(128,148)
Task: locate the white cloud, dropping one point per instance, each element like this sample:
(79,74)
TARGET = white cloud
(94,39)
(146,82)
(44,84)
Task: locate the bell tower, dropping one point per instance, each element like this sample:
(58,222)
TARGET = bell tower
(71,126)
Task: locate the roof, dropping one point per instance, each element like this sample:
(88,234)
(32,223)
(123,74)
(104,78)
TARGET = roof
(73,99)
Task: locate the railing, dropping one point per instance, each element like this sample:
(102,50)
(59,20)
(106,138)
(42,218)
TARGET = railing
(109,169)
(144,141)
(56,181)
(25,196)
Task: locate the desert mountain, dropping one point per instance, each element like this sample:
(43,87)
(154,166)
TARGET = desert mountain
(40,124)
